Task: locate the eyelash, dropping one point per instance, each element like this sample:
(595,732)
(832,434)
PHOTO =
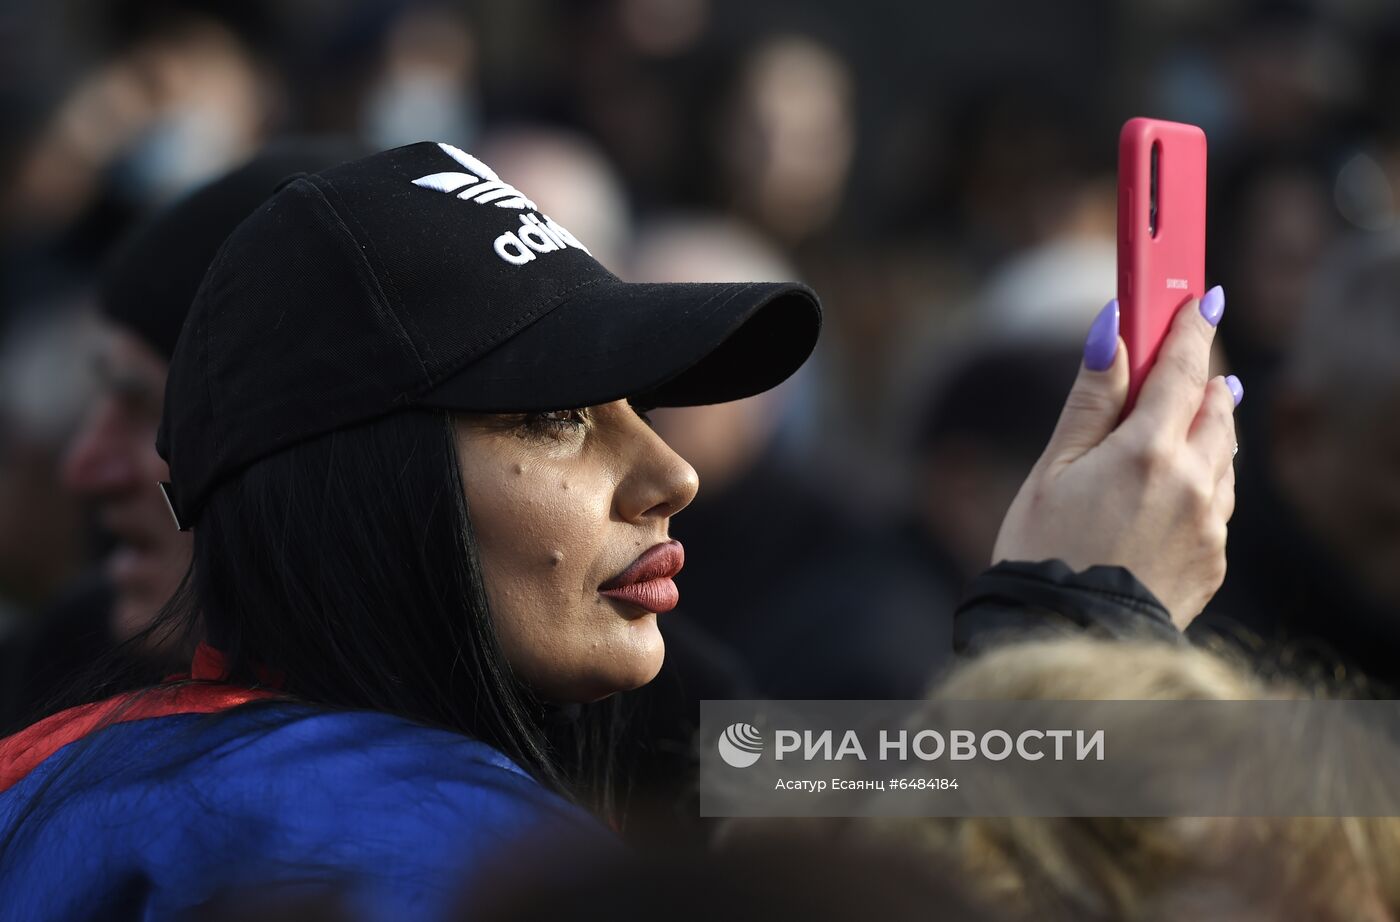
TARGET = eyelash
(546,422)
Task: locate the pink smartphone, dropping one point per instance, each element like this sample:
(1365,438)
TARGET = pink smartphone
(1161,234)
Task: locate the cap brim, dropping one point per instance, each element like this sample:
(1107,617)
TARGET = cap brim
(658,344)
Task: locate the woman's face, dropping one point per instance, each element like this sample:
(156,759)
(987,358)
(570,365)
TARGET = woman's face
(561,502)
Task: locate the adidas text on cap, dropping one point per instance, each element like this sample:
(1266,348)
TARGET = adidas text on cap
(419,277)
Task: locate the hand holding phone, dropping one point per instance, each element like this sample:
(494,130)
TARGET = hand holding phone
(1161,234)
(1152,492)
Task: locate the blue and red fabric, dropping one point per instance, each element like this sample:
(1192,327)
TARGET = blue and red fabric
(150,804)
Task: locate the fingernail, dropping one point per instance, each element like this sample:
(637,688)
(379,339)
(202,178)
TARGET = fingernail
(1102,344)
(1213,305)
(1236,388)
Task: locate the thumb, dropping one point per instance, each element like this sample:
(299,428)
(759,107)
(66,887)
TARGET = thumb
(1096,401)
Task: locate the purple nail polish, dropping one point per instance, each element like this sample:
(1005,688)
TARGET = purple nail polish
(1236,388)
(1102,344)
(1213,305)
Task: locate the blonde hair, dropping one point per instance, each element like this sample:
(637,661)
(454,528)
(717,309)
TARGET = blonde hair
(1078,668)
(1151,868)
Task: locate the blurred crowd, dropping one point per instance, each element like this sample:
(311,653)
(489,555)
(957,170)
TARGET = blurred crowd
(943,174)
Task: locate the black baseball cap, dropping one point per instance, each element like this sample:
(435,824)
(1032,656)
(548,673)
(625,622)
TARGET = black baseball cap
(418,277)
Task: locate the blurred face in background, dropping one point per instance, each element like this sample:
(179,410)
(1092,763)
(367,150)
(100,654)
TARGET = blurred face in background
(790,137)
(425,88)
(170,111)
(112,461)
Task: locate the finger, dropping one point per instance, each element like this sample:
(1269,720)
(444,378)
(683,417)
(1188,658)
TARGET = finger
(1213,431)
(1096,400)
(1173,389)
(1223,505)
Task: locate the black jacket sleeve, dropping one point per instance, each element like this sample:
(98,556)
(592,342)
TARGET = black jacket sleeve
(1015,599)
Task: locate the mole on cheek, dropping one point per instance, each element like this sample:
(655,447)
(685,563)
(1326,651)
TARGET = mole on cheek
(518,468)
(556,558)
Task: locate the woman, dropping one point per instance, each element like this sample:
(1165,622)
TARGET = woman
(406,554)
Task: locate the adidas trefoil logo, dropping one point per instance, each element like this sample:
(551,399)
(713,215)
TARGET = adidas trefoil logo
(537,233)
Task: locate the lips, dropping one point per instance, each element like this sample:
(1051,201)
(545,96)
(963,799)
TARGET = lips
(648,582)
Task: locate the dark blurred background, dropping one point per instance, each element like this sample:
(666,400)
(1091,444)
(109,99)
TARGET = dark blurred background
(942,173)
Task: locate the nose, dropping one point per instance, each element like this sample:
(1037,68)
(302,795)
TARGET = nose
(659,482)
(99,459)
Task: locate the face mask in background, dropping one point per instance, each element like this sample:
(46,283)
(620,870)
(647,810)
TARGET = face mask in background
(408,108)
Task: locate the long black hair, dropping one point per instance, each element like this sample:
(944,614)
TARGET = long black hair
(346,566)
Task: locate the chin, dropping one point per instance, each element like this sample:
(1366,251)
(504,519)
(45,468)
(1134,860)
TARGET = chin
(648,671)
(639,667)
(650,653)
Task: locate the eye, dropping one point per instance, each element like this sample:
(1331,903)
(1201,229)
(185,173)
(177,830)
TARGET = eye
(555,422)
